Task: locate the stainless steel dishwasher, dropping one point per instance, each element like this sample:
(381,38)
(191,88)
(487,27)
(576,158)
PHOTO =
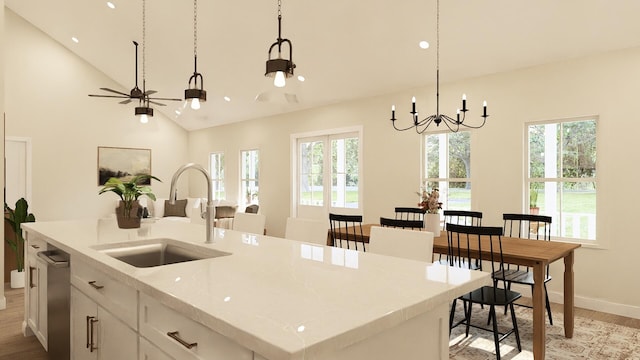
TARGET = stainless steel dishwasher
(58,295)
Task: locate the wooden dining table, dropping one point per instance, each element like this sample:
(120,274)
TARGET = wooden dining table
(536,254)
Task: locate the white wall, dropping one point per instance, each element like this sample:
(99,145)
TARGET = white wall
(46,100)
(604,85)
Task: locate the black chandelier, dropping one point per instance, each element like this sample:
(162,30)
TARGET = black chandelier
(195,94)
(421,126)
(280,68)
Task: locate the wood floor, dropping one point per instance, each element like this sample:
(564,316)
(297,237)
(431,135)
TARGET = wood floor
(14,346)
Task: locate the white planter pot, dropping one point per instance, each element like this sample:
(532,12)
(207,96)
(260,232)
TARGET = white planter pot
(17,279)
(432,223)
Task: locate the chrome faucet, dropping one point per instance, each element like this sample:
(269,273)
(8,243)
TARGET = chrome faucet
(209,213)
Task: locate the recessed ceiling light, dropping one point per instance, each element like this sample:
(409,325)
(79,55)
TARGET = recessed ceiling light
(300,78)
(227,99)
(75,39)
(111,5)
(424,44)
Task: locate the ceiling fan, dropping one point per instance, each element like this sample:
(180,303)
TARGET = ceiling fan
(136,93)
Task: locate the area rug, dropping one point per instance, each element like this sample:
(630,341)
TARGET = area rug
(592,339)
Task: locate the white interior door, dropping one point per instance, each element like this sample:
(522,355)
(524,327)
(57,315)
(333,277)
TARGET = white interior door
(17,170)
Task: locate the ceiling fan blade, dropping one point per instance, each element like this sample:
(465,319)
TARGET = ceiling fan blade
(157,103)
(165,99)
(149,92)
(125,101)
(110,96)
(114,91)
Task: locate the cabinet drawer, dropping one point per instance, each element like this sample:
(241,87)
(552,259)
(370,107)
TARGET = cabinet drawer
(35,245)
(106,291)
(148,351)
(157,321)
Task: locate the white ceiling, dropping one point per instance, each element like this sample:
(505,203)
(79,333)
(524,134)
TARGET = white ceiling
(345,49)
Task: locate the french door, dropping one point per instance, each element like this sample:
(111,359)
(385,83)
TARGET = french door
(328,175)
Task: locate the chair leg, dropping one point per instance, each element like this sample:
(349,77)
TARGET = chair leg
(496,335)
(451,315)
(467,318)
(515,326)
(548,304)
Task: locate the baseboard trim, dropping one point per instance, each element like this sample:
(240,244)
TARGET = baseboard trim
(588,303)
(3,302)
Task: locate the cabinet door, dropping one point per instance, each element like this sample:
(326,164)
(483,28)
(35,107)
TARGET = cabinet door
(42,302)
(115,339)
(32,294)
(83,311)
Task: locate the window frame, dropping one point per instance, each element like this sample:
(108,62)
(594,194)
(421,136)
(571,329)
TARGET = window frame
(241,195)
(444,195)
(217,177)
(560,179)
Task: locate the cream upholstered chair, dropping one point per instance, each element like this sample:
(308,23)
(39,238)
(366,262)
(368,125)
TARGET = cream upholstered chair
(251,223)
(307,230)
(408,244)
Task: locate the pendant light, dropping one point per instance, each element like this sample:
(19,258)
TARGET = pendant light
(144,111)
(194,94)
(280,69)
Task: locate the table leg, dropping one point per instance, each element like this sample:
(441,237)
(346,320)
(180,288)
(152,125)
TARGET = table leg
(568,295)
(538,312)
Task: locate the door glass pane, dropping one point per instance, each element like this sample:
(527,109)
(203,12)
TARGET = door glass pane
(432,156)
(460,155)
(311,173)
(344,173)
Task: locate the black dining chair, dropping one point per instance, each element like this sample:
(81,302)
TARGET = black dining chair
(526,226)
(403,224)
(346,231)
(465,243)
(410,213)
(460,217)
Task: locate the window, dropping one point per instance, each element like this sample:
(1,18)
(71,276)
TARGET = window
(447,166)
(561,176)
(249,165)
(216,169)
(328,161)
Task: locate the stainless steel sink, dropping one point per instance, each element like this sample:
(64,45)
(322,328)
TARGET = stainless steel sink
(157,252)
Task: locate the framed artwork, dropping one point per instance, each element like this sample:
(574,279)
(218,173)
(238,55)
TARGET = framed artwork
(122,163)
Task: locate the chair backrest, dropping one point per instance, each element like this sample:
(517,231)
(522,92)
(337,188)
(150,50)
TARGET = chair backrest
(527,226)
(465,245)
(346,231)
(252,209)
(408,244)
(308,230)
(463,217)
(403,224)
(250,223)
(467,242)
(409,213)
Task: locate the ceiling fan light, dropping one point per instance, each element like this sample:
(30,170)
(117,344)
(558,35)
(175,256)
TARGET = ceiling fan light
(143,111)
(194,97)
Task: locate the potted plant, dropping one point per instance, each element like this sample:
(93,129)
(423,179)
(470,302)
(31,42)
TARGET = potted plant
(429,202)
(128,213)
(533,199)
(16,217)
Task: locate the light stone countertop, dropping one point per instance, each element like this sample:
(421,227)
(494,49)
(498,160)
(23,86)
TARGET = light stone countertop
(282,299)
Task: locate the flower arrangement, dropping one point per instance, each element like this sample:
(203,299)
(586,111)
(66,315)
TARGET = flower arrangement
(430,201)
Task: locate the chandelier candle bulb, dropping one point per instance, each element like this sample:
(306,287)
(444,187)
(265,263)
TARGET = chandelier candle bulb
(393,112)
(484,108)
(464,102)
(458,115)
(413,101)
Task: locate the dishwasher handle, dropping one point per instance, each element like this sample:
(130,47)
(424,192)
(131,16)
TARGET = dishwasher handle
(54,258)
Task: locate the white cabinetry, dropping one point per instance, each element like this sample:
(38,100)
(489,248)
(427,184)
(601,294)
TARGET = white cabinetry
(96,333)
(183,338)
(36,293)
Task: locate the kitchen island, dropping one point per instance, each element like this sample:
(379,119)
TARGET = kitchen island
(270,298)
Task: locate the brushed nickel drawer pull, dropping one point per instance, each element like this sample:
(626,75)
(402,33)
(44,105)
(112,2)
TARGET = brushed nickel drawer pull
(94,285)
(174,335)
(35,246)
(92,320)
